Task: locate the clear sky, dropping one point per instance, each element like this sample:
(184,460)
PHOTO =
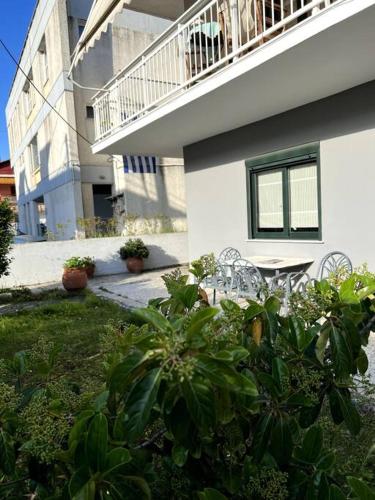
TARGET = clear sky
(15,16)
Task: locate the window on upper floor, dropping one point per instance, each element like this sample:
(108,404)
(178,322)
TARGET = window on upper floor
(29,94)
(34,155)
(284,194)
(89,112)
(43,61)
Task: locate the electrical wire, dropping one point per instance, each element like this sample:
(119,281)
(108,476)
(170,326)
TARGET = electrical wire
(41,94)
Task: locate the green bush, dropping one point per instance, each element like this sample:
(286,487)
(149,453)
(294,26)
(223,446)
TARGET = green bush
(134,247)
(76,263)
(202,404)
(6,236)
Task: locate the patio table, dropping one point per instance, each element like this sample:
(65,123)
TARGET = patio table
(275,263)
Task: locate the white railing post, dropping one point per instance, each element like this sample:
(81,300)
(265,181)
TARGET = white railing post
(144,84)
(181,54)
(235,26)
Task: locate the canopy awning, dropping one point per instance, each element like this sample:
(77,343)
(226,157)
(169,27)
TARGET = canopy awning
(103,13)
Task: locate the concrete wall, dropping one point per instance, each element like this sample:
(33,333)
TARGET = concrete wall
(216,179)
(36,263)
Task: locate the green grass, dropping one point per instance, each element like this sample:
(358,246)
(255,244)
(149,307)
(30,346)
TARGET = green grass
(75,327)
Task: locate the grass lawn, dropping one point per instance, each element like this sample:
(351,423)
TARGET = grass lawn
(74,326)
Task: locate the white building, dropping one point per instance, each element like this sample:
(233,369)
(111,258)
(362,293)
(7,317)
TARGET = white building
(60,183)
(270,104)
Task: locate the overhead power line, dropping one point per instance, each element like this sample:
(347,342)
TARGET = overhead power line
(41,94)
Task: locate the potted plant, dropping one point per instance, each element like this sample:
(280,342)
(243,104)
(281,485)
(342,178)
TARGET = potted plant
(74,276)
(133,252)
(89,266)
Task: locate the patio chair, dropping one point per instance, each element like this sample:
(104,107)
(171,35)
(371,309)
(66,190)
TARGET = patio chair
(332,263)
(285,284)
(230,254)
(221,281)
(247,281)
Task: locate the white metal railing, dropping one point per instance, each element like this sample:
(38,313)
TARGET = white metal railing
(211,35)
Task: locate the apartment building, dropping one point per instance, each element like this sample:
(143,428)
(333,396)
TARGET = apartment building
(269,103)
(60,182)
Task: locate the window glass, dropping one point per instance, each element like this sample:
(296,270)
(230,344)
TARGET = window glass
(303,191)
(270,213)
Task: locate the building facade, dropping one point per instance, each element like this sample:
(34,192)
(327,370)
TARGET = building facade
(61,184)
(270,108)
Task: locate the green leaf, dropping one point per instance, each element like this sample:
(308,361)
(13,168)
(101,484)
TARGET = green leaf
(211,494)
(348,410)
(341,353)
(154,318)
(80,485)
(7,453)
(362,362)
(199,320)
(222,375)
(280,374)
(179,455)
(120,376)
(281,446)
(270,384)
(311,446)
(200,402)
(302,337)
(101,401)
(262,436)
(253,311)
(229,307)
(115,459)
(335,493)
(360,489)
(96,442)
(232,354)
(326,461)
(187,295)
(140,402)
(272,305)
(141,484)
(347,293)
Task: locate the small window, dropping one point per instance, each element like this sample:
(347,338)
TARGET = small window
(34,155)
(43,61)
(284,194)
(29,94)
(89,112)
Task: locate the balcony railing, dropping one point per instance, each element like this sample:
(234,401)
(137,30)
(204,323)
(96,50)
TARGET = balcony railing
(208,37)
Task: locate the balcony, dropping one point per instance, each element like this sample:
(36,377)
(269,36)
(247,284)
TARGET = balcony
(226,63)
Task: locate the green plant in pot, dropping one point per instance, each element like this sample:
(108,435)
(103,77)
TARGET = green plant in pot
(74,275)
(89,266)
(133,252)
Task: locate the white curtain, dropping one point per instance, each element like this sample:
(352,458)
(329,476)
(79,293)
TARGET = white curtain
(270,200)
(303,197)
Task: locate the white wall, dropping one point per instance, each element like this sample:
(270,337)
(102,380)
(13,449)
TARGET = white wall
(36,263)
(216,180)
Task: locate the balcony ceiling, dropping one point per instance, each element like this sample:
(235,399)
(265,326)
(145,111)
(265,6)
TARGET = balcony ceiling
(330,53)
(169,9)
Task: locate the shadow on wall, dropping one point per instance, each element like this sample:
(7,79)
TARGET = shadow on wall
(158,258)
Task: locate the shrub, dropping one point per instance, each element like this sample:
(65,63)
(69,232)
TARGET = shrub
(6,236)
(134,248)
(76,263)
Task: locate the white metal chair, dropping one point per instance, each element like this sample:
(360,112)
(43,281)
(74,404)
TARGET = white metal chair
(332,263)
(221,281)
(247,281)
(228,254)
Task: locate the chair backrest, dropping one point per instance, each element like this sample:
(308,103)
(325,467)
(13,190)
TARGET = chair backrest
(332,263)
(229,253)
(247,279)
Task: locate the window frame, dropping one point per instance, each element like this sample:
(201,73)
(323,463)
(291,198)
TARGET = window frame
(282,160)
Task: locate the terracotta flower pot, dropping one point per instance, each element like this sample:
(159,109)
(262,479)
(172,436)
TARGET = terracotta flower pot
(90,270)
(74,279)
(135,265)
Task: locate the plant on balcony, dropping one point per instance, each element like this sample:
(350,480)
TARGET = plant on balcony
(75,276)
(133,252)
(6,235)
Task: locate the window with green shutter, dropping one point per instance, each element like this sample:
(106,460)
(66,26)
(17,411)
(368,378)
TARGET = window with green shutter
(284,194)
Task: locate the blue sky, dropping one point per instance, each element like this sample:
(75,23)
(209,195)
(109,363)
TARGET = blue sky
(15,19)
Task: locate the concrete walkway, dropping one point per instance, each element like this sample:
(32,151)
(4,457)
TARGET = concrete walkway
(132,291)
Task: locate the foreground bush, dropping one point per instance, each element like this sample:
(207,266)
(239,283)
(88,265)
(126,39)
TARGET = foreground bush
(6,235)
(204,404)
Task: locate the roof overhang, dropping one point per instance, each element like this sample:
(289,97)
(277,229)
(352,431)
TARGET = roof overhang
(103,13)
